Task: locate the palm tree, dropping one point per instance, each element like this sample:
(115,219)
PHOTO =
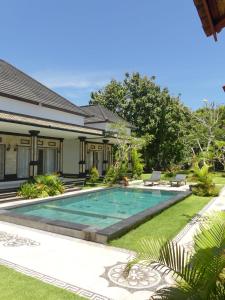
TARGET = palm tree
(198,275)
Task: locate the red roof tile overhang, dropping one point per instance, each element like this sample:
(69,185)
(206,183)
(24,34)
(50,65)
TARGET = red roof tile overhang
(212,15)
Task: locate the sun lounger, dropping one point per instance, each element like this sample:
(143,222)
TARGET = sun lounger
(178,180)
(155,178)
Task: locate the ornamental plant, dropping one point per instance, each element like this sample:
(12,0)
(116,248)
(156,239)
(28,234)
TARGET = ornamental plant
(197,274)
(94,175)
(137,164)
(205,185)
(42,186)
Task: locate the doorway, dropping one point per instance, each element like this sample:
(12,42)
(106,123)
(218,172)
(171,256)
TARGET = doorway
(47,160)
(95,160)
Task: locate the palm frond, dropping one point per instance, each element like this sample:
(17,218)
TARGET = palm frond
(211,233)
(169,258)
(176,293)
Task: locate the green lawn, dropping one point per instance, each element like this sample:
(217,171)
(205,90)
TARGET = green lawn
(16,286)
(167,224)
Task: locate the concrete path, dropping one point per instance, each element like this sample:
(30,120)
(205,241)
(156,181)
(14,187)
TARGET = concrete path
(90,269)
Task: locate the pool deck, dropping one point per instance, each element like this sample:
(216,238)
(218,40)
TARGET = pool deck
(88,269)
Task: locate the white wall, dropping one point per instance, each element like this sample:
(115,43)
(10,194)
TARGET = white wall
(25,108)
(71,149)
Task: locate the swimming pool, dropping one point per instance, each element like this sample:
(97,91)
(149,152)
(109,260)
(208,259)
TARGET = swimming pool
(96,215)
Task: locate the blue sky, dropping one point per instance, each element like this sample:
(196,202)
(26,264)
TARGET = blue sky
(77,46)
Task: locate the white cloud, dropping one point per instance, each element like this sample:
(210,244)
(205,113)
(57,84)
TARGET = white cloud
(68,79)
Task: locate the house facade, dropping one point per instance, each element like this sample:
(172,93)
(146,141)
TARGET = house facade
(41,132)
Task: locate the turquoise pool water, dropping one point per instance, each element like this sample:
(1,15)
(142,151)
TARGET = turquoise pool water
(98,209)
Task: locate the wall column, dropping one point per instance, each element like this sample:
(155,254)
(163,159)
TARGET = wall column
(61,156)
(82,162)
(105,157)
(34,153)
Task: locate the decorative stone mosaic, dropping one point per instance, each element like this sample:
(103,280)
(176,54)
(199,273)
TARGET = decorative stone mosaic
(139,278)
(13,240)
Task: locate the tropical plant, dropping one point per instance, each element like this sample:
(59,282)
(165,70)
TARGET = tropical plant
(137,164)
(205,185)
(124,144)
(111,176)
(198,275)
(42,186)
(94,175)
(28,190)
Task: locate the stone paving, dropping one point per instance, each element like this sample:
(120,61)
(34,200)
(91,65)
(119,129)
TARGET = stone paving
(92,270)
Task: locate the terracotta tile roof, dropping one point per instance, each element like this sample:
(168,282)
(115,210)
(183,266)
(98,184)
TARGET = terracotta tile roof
(17,85)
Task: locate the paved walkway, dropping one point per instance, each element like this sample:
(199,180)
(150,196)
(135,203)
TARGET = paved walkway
(89,269)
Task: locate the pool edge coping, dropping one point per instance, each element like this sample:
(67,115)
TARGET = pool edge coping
(85,231)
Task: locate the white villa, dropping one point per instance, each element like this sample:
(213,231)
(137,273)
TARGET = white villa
(42,132)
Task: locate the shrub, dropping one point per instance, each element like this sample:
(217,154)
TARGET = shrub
(172,171)
(121,171)
(94,175)
(205,185)
(137,164)
(28,190)
(42,186)
(205,191)
(110,176)
(51,183)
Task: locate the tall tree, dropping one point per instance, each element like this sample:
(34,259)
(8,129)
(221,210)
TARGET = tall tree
(154,112)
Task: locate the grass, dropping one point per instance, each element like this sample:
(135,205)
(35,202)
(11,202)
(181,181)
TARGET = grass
(16,286)
(168,223)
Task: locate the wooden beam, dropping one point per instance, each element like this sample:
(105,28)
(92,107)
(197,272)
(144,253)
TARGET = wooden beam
(220,25)
(206,7)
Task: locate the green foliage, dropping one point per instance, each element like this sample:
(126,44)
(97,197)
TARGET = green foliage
(139,100)
(198,275)
(137,164)
(42,186)
(116,172)
(125,143)
(172,171)
(205,185)
(111,176)
(94,175)
(207,127)
(219,152)
(28,190)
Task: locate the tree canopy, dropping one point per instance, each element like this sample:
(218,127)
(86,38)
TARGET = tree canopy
(154,112)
